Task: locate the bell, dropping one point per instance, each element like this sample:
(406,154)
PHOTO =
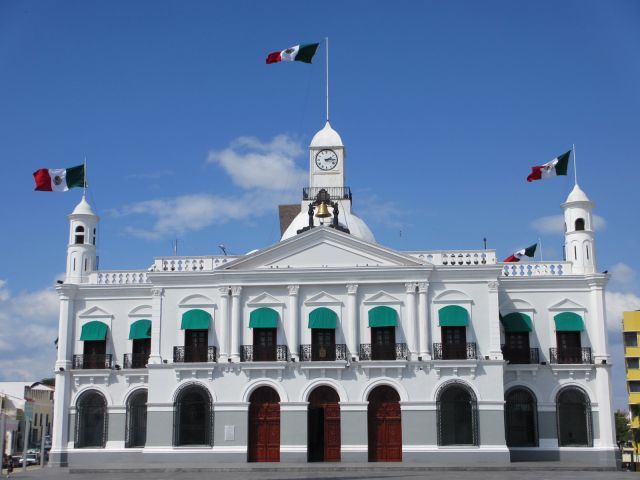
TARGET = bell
(323,211)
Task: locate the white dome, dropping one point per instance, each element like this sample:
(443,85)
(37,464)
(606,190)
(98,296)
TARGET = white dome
(83,208)
(327,137)
(577,195)
(355,224)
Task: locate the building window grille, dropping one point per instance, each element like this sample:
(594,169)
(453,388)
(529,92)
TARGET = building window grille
(634,386)
(573,413)
(79,235)
(91,420)
(457,416)
(323,344)
(136,435)
(193,417)
(631,339)
(580,224)
(521,418)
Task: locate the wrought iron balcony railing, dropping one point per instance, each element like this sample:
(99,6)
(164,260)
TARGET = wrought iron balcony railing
(576,355)
(521,356)
(454,351)
(262,353)
(92,361)
(135,360)
(384,351)
(336,193)
(323,353)
(190,354)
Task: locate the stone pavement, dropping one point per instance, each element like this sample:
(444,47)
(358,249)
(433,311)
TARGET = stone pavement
(519,471)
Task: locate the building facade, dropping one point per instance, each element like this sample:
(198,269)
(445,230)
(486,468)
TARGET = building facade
(631,329)
(330,347)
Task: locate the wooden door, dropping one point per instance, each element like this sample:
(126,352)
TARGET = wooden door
(383,343)
(454,343)
(569,347)
(265,344)
(323,426)
(332,443)
(323,344)
(384,425)
(196,343)
(264,426)
(517,347)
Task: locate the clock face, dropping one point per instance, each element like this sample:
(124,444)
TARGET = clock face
(326,159)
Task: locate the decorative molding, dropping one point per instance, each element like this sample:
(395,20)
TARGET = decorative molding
(224,291)
(196,301)
(352,288)
(423,287)
(323,298)
(293,289)
(410,287)
(265,300)
(493,286)
(95,312)
(567,305)
(157,291)
(382,298)
(236,290)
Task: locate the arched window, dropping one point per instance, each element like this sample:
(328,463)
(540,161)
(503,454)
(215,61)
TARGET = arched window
(91,420)
(573,413)
(457,416)
(79,235)
(521,418)
(94,236)
(580,224)
(193,417)
(136,420)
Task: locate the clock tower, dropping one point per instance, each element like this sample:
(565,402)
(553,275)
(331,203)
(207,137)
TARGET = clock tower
(326,159)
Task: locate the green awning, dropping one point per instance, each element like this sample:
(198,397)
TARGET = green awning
(323,318)
(94,331)
(195,320)
(140,329)
(517,322)
(263,318)
(568,322)
(383,317)
(453,316)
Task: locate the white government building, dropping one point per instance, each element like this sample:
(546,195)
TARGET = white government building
(327,346)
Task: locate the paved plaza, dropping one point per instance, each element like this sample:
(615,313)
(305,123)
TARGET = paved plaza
(327,472)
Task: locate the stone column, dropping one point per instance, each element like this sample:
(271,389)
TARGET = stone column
(66,322)
(223,341)
(424,325)
(236,322)
(495,352)
(411,332)
(293,325)
(352,330)
(155,357)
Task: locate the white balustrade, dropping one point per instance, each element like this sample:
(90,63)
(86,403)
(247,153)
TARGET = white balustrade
(131,277)
(536,269)
(190,264)
(458,257)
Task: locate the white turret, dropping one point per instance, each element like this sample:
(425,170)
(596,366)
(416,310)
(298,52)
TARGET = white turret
(579,238)
(81,251)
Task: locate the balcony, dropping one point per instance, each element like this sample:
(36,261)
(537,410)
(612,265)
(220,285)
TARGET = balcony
(135,360)
(190,354)
(383,351)
(323,353)
(92,361)
(444,351)
(521,356)
(336,193)
(575,356)
(264,353)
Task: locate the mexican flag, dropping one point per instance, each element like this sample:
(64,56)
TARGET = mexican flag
(297,53)
(529,252)
(59,179)
(557,166)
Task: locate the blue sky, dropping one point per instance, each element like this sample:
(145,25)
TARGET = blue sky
(443,108)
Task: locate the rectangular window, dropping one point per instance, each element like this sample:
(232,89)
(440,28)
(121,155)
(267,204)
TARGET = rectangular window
(631,339)
(634,386)
(633,362)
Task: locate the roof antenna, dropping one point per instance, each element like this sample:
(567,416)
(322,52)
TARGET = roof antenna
(174,245)
(223,248)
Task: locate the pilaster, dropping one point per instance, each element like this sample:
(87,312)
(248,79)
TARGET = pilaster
(236,322)
(423,321)
(495,352)
(223,341)
(411,333)
(155,357)
(66,322)
(293,326)
(352,332)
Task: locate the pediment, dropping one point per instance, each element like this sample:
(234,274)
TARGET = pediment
(263,300)
(141,311)
(516,305)
(196,300)
(567,304)
(323,298)
(382,298)
(453,297)
(95,312)
(323,248)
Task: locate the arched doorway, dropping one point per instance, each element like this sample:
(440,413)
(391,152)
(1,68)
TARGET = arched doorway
(91,420)
(192,417)
(137,420)
(384,425)
(457,416)
(264,425)
(521,418)
(323,425)
(574,418)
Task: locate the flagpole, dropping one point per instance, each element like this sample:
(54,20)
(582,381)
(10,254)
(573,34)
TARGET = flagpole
(84,184)
(575,168)
(326,41)
(540,243)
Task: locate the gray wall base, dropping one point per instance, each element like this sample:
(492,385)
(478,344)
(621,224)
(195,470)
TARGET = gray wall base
(293,457)
(453,458)
(587,458)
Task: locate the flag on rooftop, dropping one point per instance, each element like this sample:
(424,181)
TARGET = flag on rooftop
(557,166)
(59,179)
(516,256)
(297,53)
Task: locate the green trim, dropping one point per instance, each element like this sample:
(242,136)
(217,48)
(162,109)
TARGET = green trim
(263,318)
(306,52)
(563,163)
(94,331)
(453,316)
(323,317)
(195,320)
(140,329)
(568,322)
(517,322)
(75,176)
(383,317)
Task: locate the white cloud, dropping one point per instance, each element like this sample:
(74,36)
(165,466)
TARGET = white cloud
(617,303)
(28,329)
(623,277)
(555,224)
(253,164)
